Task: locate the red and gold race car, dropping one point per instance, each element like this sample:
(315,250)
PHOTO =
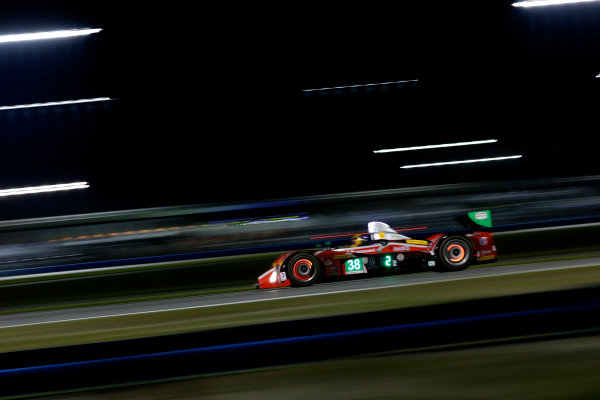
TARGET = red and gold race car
(384,250)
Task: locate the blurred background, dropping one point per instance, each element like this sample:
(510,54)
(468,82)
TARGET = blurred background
(212,105)
(232,113)
(222,134)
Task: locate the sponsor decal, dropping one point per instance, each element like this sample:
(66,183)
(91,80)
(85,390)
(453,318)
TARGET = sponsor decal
(483,241)
(415,241)
(483,218)
(282,277)
(490,257)
(481,215)
(339,256)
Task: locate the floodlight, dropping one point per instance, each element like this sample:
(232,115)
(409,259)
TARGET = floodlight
(360,85)
(436,146)
(20,37)
(54,103)
(461,162)
(43,188)
(543,3)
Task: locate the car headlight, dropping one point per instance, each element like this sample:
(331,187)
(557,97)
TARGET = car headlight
(273,277)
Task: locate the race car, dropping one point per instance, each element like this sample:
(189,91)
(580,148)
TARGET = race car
(383,250)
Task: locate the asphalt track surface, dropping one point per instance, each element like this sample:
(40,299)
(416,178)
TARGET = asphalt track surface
(216,300)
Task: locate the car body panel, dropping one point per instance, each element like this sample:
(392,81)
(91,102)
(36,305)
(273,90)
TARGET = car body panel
(378,256)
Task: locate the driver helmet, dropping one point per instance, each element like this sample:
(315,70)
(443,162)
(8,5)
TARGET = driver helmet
(357,240)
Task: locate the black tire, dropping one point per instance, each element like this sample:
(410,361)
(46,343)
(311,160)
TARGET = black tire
(303,269)
(455,253)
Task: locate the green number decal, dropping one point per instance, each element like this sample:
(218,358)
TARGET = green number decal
(353,265)
(387,260)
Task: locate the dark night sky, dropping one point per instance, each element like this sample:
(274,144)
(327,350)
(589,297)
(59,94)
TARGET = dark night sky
(209,105)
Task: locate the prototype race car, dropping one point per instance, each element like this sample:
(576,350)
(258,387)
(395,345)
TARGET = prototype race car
(384,250)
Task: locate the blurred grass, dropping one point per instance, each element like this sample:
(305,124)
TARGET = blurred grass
(551,241)
(157,281)
(114,328)
(556,369)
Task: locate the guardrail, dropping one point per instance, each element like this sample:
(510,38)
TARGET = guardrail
(116,238)
(551,224)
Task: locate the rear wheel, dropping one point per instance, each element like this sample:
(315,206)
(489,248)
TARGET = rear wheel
(303,269)
(455,253)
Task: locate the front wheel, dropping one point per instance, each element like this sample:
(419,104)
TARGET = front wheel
(455,253)
(303,269)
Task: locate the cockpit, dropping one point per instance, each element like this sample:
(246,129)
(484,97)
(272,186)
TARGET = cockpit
(378,231)
(382,231)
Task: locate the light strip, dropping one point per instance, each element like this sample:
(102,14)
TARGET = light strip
(365,233)
(54,103)
(272,220)
(461,162)
(436,146)
(360,85)
(19,37)
(542,3)
(43,188)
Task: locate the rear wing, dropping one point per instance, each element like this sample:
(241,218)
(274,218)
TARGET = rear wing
(476,219)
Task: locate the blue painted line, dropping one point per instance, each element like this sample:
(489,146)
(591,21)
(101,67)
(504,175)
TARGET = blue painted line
(352,334)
